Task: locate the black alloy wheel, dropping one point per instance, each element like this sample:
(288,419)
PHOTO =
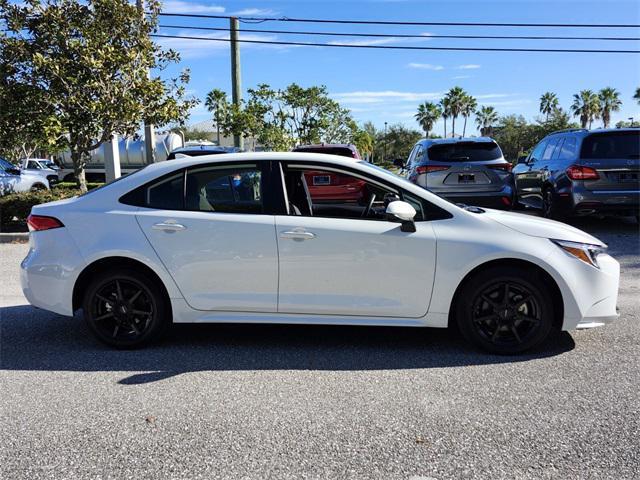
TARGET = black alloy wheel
(505,311)
(125,309)
(550,205)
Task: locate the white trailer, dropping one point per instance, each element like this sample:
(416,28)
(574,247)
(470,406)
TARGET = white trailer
(132,157)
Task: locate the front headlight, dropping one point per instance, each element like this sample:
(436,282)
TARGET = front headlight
(586,252)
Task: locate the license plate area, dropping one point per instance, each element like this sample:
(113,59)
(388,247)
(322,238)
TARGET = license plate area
(320,180)
(466,178)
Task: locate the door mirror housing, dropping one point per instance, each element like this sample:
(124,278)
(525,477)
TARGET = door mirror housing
(403,213)
(522,159)
(398,162)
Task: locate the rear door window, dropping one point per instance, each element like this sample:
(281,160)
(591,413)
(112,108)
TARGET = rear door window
(464,152)
(611,145)
(568,149)
(167,194)
(548,152)
(228,189)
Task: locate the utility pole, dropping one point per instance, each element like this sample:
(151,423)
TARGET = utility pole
(149,131)
(384,150)
(112,159)
(236,87)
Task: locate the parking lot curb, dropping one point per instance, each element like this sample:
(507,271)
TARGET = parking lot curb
(20,237)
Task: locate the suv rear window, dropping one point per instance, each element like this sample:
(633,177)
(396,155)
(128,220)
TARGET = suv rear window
(611,145)
(464,152)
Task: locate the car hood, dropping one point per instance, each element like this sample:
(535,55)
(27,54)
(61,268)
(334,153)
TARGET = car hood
(541,227)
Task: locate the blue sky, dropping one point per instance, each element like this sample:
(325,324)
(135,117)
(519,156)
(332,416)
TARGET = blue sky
(387,85)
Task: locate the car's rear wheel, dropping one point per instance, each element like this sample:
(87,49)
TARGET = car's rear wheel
(125,308)
(38,187)
(505,310)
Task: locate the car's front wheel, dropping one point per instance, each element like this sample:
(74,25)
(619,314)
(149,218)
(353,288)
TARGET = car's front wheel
(505,310)
(125,308)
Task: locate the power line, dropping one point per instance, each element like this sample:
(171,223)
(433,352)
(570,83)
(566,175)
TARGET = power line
(398,47)
(401,35)
(389,22)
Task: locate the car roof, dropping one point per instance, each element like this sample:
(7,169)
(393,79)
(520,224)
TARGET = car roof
(438,141)
(583,132)
(328,145)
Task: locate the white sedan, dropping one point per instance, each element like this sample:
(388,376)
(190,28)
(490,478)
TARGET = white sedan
(308,238)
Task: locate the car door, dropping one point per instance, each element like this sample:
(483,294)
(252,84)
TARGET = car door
(527,174)
(209,227)
(333,261)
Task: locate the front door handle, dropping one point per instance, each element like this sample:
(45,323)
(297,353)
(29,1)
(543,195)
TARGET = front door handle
(298,235)
(169,226)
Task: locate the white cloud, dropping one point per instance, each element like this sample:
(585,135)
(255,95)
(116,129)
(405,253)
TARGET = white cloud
(385,95)
(425,66)
(190,48)
(468,66)
(460,77)
(179,6)
(254,11)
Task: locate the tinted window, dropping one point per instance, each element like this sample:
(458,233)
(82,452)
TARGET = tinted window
(548,152)
(224,189)
(611,145)
(556,152)
(33,164)
(568,149)
(537,152)
(464,152)
(167,194)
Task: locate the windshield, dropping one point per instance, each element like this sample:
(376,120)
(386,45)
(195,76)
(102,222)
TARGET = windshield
(464,152)
(612,145)
(5,165)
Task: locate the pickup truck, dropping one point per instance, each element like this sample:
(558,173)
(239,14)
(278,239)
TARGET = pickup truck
(41,167)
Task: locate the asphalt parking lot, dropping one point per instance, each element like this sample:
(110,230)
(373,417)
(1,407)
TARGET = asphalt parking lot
(319,402)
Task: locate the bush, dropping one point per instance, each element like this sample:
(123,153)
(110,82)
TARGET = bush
(74,186)
(15,207)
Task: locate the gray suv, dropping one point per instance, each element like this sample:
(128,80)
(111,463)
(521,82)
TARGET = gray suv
(582,172)
(463,170)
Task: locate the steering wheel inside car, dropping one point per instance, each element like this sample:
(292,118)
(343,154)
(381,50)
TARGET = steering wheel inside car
(367,210)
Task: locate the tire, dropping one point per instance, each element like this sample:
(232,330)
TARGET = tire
(37,187)
(550,205)
(505,326)
(125,308)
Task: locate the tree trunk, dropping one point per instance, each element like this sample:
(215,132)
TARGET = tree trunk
(464,129)
(453,127)
(218,126)
(78,170)
(445,127)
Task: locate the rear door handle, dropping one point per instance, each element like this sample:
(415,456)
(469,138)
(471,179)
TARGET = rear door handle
(169,226)
(298,235)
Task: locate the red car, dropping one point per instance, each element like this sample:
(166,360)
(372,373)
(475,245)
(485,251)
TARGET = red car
(327,187)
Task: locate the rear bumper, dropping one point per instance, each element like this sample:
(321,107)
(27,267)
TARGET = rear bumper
(501,199)
(581,201)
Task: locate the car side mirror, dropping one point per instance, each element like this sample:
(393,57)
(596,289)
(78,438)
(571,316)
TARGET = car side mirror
(402,213)
(522,159)
(13,171)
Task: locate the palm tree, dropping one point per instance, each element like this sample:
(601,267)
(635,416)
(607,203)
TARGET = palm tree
(446,113)
(586,105)
(456,98)
(609,102)
(636,96)
(469,105)
(216,102)
(548,104)
(428,114)
(485,118)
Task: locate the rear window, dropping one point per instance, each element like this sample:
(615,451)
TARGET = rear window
(464,152)
(611,145)
(342,152)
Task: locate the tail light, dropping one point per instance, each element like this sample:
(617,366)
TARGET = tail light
(38,223)
(578,172)
(432,168)
(507,167)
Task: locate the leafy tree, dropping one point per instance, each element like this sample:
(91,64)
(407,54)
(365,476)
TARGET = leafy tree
(609,102)
(486,117)
(217,103)
(456,97)
(399,141)
(428,114)
(627,124)
(586,105)
(548,103)
(469,105)
(363,142)
(636,95)
(87,64)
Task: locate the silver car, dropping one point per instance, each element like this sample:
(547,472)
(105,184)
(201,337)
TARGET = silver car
(13,180)
(42,167)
